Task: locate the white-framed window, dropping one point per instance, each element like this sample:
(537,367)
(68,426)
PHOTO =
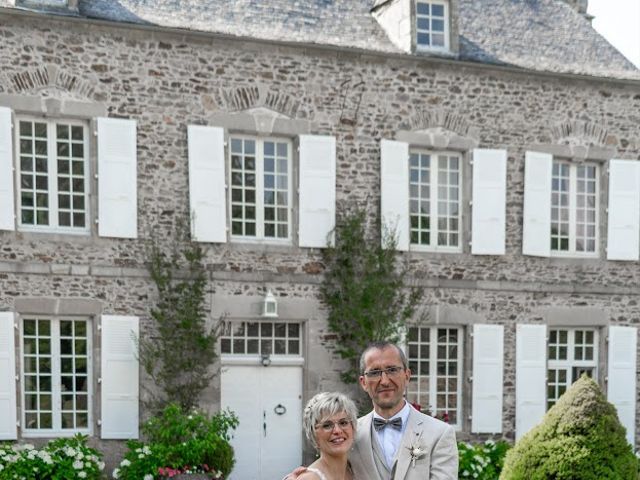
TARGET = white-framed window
(53,175)
(435,360)
(261,338)
(56,365)
(574,208)
(261,190)
(435,200)
(432,25)
(571,352)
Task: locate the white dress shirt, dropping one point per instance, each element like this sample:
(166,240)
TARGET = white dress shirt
(389,437)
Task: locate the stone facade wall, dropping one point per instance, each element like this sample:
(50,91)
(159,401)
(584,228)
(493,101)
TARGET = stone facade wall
(168,80)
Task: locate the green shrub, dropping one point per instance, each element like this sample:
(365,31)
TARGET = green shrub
(482,461)
(580,437)
(61,459)
(177,442)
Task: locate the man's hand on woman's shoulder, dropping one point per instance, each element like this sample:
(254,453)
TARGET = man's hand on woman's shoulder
(295,474)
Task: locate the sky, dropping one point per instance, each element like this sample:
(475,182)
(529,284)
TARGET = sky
(619,22)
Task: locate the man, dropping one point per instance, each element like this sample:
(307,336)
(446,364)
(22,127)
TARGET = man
(395,441)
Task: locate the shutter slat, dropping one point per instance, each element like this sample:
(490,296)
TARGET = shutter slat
(489,202)
(536,228)
(7,215)
(621,387)
(531,369)
(8,429)
(488,358)
(207,194)
(394,191)
(317,190)
(623,231)
(117,178)
(120,389)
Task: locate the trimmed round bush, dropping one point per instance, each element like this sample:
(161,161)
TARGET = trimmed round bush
(580,438)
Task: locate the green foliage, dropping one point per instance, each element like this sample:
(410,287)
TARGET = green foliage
(177,441)
(179,357)
(580,437)
(61,459)
(483,461)
(364,290)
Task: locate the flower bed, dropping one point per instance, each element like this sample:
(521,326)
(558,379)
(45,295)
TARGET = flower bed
(61,459)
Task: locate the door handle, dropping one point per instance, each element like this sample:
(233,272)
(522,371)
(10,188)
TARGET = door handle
(264,422)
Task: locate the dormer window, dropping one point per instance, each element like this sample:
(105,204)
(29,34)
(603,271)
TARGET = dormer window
(432,25)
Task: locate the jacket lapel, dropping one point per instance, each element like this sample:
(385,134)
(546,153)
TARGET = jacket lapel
(411,437)
(364,448)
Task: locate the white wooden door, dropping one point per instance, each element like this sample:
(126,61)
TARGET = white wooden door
(268,402)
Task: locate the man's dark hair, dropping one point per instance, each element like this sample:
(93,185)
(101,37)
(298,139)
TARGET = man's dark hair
(382,345)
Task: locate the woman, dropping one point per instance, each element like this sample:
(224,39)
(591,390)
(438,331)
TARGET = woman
(329,422)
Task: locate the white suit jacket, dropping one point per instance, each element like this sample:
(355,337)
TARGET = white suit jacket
(435,438)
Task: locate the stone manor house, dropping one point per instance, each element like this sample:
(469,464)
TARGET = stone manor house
(501,138)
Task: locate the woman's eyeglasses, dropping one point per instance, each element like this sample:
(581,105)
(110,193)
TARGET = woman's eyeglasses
(328,426)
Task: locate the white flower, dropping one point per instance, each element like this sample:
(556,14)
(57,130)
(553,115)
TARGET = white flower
(79,455)
(125,463)
(100,466)
(116,473)
(82,474)
(70,452)
(148,476)
(146,450)
(78,464)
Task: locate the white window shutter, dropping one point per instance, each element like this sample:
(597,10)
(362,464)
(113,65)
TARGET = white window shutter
(8,429)
(621,387)
(207,193)
(623,232)
(488,358)
(394,191)
(317,190)
(536,228)
(531,371)
(7,208)
(489,202)
(117,178)
(120,388)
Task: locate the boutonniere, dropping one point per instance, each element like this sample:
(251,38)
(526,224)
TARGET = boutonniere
(416,449)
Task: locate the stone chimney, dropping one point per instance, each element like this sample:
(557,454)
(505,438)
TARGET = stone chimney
(580,6)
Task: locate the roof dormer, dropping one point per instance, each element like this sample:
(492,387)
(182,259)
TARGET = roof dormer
(420,26)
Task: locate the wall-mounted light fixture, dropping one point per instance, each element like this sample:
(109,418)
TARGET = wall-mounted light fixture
(269,305)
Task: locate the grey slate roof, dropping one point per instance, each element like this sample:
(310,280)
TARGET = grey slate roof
(544,35)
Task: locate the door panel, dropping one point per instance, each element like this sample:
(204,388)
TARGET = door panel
(267,445)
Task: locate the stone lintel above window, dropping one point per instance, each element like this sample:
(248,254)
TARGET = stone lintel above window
(573,316)
(437,140)
(262,122)
(59,6)
(58,306)
(53,107)
(448,315)
(575,153)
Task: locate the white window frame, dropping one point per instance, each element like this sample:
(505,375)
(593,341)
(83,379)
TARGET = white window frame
(228,333)
(52,169)
(56,380)
(573,191)
(570,363)
(447,20)
(433,371)
(433,202)
(259,237)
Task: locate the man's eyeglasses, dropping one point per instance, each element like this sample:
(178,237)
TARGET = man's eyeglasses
(328,426)
(390,371)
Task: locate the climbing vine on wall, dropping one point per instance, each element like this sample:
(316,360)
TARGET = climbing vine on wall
(365,290)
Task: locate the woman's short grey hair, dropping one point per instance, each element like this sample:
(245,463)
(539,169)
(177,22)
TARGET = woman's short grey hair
(325,405)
